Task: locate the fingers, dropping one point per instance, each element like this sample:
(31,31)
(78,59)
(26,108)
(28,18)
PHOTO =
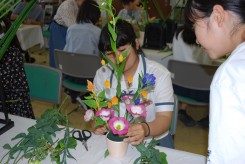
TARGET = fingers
(100,130)
(136,134)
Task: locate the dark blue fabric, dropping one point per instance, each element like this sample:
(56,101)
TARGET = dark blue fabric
(202,96)
(57,40)
(167,141)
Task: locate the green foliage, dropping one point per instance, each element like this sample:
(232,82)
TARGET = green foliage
(150,155)
(39,141)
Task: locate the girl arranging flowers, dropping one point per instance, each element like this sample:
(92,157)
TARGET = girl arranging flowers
(143,90)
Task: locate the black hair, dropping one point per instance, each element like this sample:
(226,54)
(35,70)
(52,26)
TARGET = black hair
(187,34)
(125,2)
(125,35)
(197,9)
(88,12)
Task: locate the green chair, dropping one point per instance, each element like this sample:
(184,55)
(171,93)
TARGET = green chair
(77,65)
(45,83)
(191,76)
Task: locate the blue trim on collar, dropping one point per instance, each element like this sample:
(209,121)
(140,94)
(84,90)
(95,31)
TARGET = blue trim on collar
(164,103)
(143,61)
(112,72)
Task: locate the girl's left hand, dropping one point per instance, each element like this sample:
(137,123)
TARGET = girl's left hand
(136,134)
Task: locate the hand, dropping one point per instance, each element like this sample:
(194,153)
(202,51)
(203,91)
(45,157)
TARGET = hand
(136,134)
(100,130)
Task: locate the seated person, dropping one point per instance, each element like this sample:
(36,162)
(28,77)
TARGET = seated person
(36,15)
(186,49)
(13,82)
(83,37)
(135,15)
(159,112)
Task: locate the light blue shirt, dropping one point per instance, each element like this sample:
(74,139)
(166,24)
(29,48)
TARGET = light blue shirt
(83,38)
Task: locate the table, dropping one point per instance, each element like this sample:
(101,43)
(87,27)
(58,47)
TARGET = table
(96,148)
(158,56)
(29,36)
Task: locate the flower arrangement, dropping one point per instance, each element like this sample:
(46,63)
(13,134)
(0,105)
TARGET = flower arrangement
(103,109)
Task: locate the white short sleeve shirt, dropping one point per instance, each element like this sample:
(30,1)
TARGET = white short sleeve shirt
(162,96)
(227,111)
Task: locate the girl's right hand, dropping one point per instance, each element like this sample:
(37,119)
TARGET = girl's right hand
(100,130)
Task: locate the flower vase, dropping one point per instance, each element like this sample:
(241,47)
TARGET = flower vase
(116,147)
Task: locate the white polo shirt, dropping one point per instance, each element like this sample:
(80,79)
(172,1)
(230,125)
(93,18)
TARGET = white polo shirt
(227,111)
(162,96)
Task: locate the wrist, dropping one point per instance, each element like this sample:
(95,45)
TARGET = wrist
(146,128)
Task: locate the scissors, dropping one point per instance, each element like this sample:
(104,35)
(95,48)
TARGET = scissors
(82,136)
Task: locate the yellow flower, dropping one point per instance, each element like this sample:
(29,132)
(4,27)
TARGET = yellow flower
(120,58)
(130,79)
(107,84)
(144,94)
(102,62)
(109,104)
(114,100)
(90,86)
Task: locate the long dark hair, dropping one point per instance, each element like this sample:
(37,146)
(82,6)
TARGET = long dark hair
(89,12)
(125,35)
(197,9)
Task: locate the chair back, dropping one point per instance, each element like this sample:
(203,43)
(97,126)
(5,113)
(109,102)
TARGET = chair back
(191,75)
(76,64)
(45,83)
(173,125)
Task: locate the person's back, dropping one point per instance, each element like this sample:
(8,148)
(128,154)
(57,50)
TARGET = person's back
(185,48)
(83,37)
(36,14)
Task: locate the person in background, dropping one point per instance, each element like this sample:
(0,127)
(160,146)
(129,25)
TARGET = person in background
(83,37)
(159,112)
(135,15)
(36,15)
(186,49)
(64,18)
(220,29)
(13,81)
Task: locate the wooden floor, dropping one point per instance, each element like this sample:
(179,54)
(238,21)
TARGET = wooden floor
(191,139)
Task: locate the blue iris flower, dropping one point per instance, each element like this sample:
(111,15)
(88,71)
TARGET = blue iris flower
(148,80)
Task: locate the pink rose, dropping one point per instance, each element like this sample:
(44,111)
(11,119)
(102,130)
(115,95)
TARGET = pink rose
(136,110)
(105,114)
(119,125)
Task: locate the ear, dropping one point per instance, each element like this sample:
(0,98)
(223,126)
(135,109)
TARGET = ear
(218,15)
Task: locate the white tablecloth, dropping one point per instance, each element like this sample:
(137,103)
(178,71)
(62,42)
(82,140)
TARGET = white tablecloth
(96,148)
(29,36)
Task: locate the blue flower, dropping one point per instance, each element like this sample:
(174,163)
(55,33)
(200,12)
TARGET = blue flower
(148,80)
(137,101)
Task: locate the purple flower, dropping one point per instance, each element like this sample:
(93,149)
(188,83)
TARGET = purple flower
(119,125)
(137,101)
(148,80)
(88,115)
(105,114)
(136,110)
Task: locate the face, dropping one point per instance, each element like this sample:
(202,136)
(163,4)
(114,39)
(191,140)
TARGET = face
(213,36)
(131,60)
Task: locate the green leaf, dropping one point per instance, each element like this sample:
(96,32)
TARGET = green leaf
(103,104)
(90,103)
(7,146)
(99,121)
(72,143)
(113,33)
(20,135)
(106,153)
(102,95)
